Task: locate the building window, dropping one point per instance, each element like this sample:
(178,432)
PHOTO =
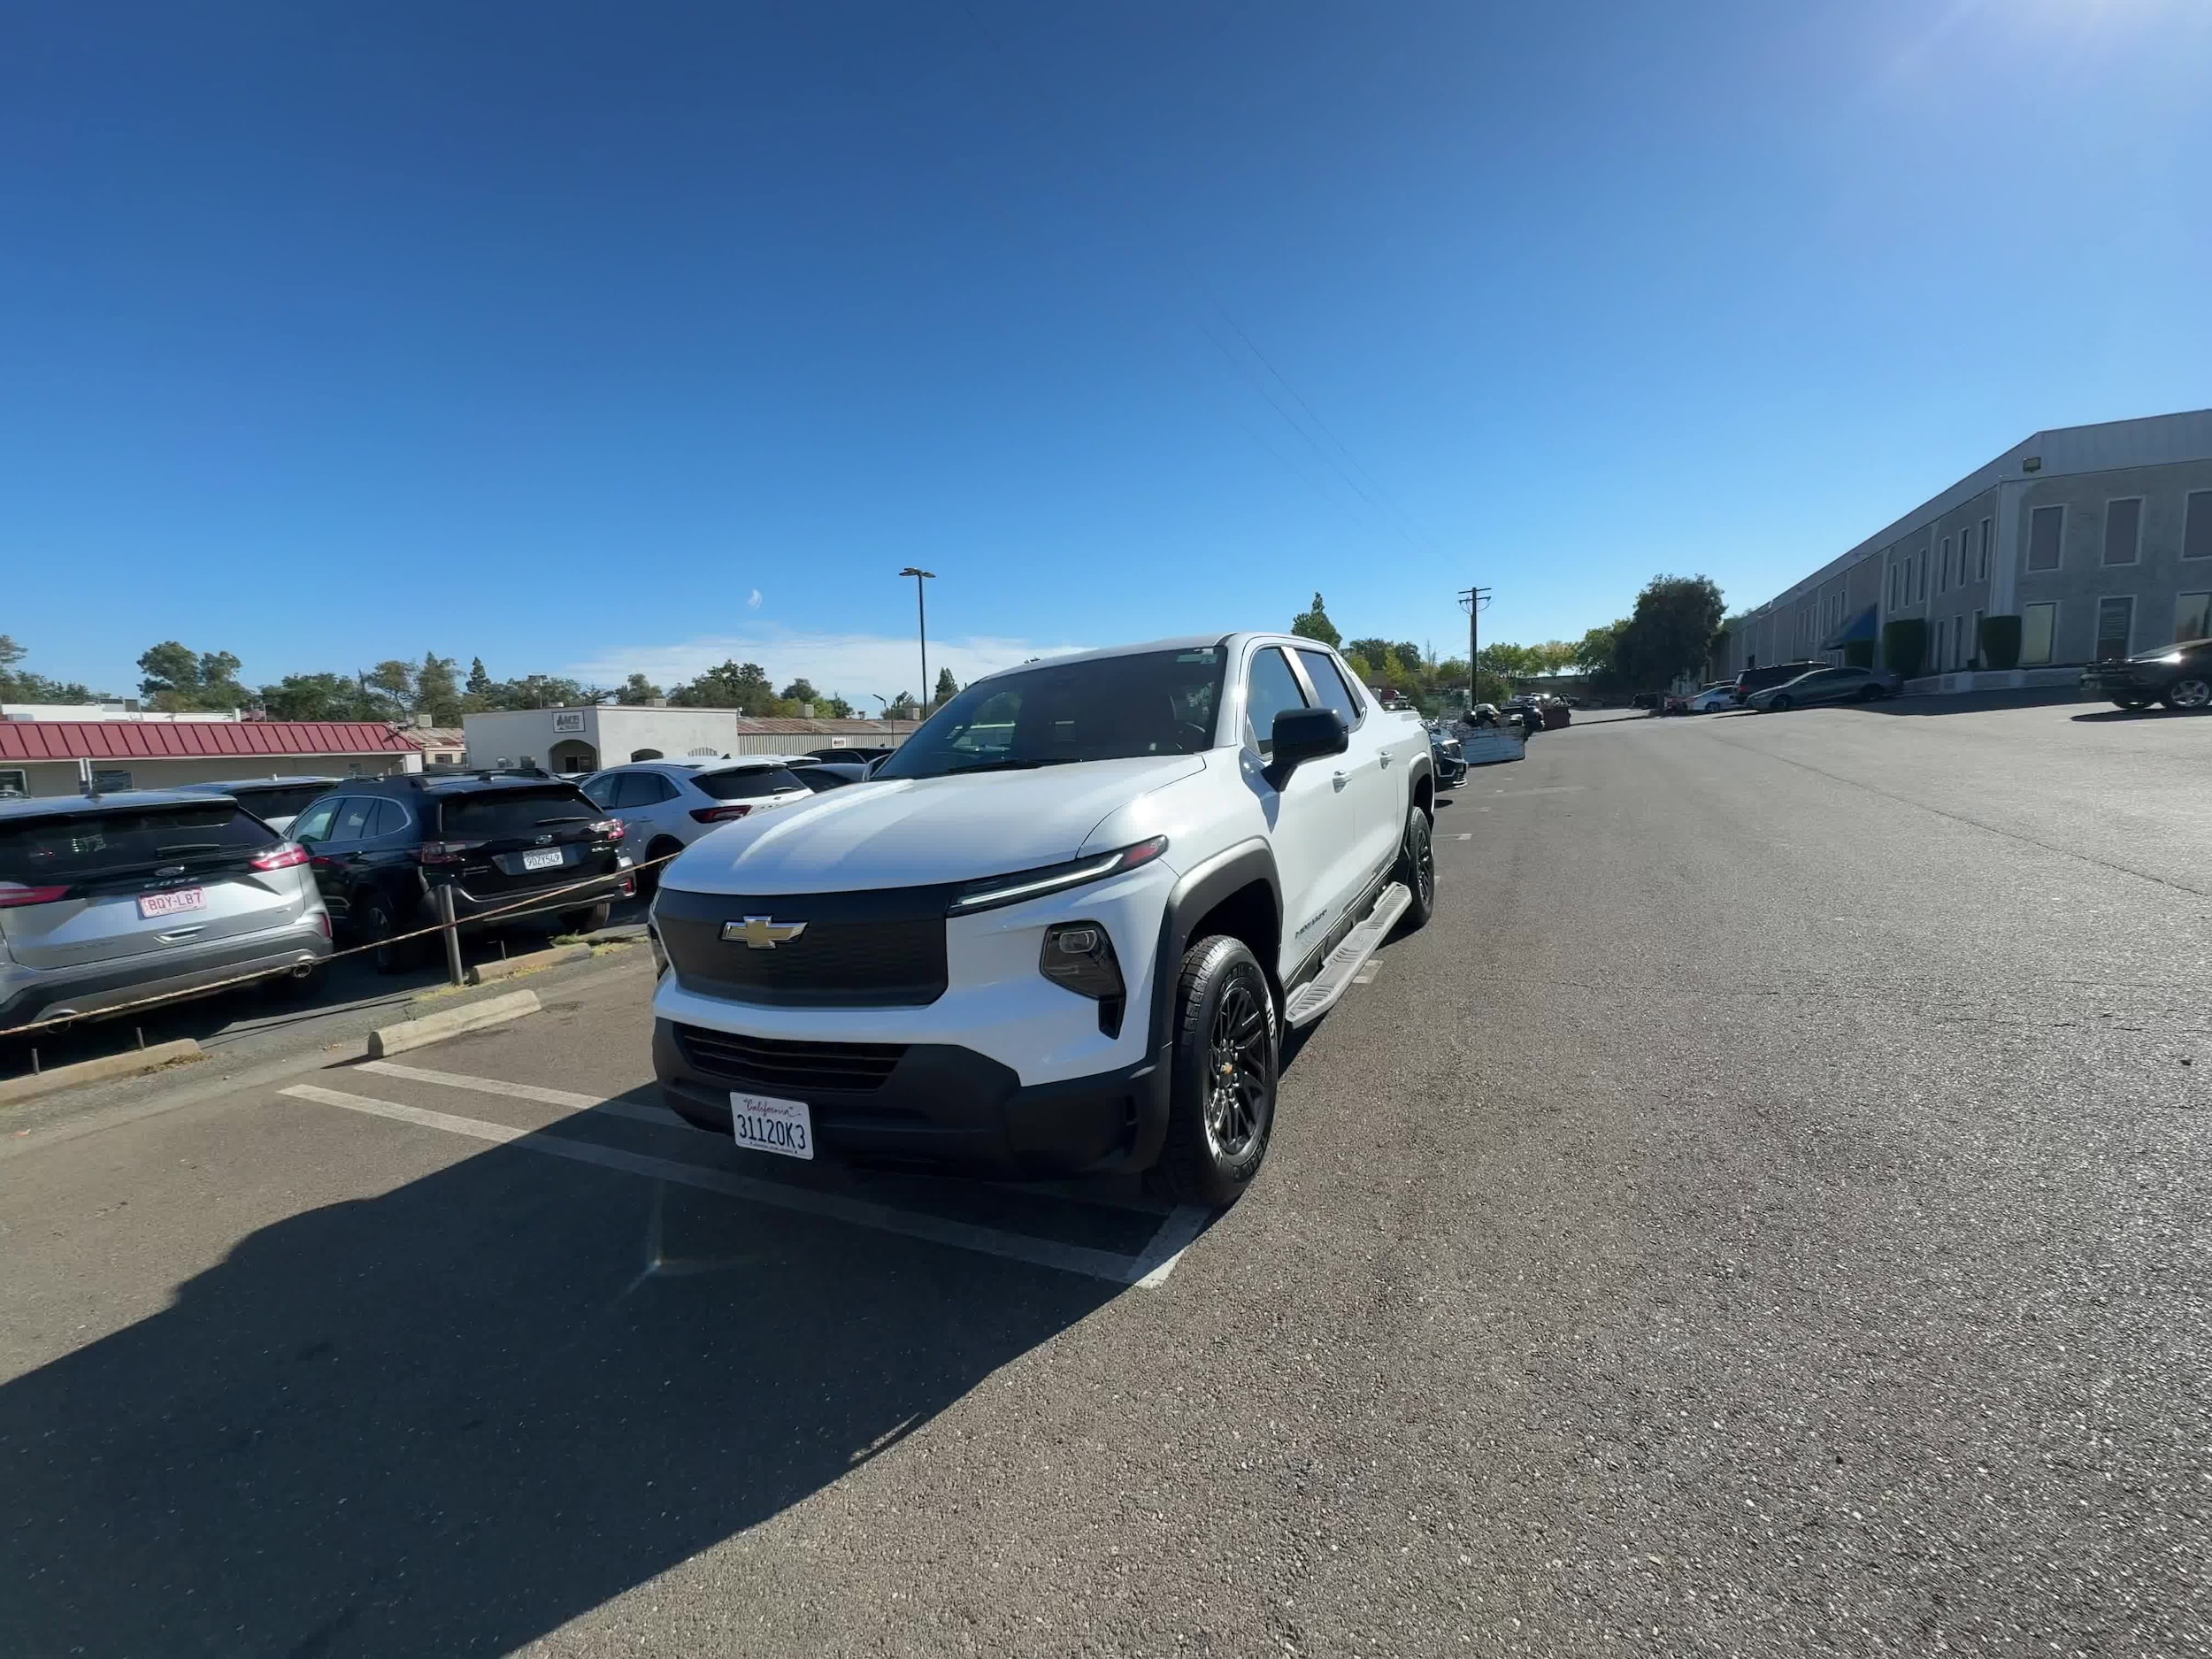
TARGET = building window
(1923,576)
(2192,620)
(14,781)
(2038,623)
(1946,580)
(2122,530)
(1974,642)
(2196,531)
(1984,564)
(2115,620)
(2045,527)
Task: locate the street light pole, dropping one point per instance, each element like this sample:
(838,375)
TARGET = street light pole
(921,620)
(1471,600)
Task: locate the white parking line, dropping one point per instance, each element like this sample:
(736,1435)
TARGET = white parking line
(528,1091)
(1147,1270)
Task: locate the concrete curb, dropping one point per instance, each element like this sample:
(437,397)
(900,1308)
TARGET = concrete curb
(386,1040)
(183,1052)
(507,967)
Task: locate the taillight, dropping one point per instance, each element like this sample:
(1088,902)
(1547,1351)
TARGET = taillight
(441,852)
(14,895)
(719,814)
(608,829)
(283,856)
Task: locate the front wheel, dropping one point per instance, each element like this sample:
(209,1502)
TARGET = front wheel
(1417,868)
(1221,1105)
(2190,693)
(1781,705)
(2129,703)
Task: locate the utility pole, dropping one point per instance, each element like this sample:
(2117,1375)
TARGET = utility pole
(921,619)
(1472,601)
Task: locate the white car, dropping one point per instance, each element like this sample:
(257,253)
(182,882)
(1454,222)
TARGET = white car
(1713,699)
(665,805)
(1062,929)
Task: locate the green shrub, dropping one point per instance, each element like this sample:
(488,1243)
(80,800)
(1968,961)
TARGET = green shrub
(2001,641)
(1905,645)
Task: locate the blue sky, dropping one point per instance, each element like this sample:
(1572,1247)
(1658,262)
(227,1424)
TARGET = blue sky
(590,338)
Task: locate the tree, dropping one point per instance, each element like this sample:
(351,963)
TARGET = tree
(1671,632)
(392,682)
(835,708)
(800,690)
(740,685)
(901,708)
(1315,624)
(947,689)
(480,683)
(1374,652)
(20,685)
(437,691)
(637,689)
(179,680)
(318,697)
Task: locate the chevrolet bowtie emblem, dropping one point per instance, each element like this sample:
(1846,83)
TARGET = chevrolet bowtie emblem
(762,932)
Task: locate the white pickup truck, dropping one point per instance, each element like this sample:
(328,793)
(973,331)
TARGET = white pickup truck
(1062,930)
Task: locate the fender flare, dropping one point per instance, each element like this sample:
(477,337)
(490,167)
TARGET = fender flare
(1198,890)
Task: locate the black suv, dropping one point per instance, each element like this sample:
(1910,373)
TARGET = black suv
(380,846)
(1773,674)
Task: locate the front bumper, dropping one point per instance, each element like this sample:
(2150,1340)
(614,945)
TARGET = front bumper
(2127,680)
(943,1107)
(38,994)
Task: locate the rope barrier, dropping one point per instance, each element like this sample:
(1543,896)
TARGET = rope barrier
(535,901)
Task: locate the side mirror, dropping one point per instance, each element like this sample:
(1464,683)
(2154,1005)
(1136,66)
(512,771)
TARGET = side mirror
(1304,734)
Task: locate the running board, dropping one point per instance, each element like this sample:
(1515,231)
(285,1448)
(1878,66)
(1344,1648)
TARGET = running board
(1317,995)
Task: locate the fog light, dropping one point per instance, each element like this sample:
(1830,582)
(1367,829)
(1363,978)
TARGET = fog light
(1080,957)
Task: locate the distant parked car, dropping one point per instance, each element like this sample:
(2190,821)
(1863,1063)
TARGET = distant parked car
(665,805)
(1824,685)
(1753,679)
(520,848)
(276,801)
(2178,675)
(1721,694)
(1556,712)
(107,899)
(1449,756)
(820,775)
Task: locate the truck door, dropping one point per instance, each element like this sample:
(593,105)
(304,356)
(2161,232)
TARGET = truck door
(1304,822)
(1371,774)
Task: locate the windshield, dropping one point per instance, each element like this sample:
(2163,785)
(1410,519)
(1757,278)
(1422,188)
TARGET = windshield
(1107,708)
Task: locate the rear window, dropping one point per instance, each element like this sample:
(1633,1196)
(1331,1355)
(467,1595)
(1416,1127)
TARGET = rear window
(496,814)
(279,800)
(749,785)
(44,851)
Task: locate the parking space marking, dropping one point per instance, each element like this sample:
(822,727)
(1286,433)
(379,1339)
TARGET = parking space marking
(1147,1270)
(528,1091)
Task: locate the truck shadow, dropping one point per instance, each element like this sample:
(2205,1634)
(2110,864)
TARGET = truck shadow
(455,1415)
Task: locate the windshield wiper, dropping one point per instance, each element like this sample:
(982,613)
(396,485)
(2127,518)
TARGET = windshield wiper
(1012,765)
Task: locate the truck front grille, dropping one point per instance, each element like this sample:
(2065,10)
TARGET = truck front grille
(775,1067)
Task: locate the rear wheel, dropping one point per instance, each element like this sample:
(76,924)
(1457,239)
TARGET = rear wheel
(1870,692)
(373,926)
(1221,1109)
(649,875)
(1417,868)
(588,921)
(2190,692)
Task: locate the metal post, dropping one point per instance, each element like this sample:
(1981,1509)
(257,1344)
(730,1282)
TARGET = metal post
(451,934)
(1473,600)
(921,618)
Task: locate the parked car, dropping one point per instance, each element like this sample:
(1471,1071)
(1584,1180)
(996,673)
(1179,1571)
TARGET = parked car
(1070,934)
(860,753)
(1718,696)
(108,899)
(276,801)
(665,805)
(1826,684)
(1753,679)
(2178,675)
(1449,756)
(380,847)
(820,775)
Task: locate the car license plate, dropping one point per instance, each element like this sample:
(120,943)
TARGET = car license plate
(549,859)
(762,1124)
(173,903)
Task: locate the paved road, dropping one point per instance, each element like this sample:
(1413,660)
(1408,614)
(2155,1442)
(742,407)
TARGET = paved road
(1764,1213)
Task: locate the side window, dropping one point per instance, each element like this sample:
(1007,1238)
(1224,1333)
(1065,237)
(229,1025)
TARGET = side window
(650,788)
(1328,685)
(389,818)
(1269,689)
(353,818)
(604,788)
(314,824)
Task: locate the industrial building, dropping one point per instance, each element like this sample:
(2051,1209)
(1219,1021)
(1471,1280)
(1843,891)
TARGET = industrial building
(2099,539)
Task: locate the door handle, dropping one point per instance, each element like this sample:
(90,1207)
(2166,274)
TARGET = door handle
(1387,757)
(1339,779)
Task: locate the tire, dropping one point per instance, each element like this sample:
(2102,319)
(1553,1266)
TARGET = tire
(649,880)
(2188,693)
(1417,868)
(586,921)
(2129,703)
(1781,705)
(373,926)
(1871,692)
(1224,1017)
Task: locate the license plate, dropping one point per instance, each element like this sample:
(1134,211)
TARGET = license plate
(547,859)
(762,1124)
(173,903)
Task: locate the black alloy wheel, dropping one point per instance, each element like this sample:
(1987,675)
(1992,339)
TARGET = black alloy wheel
(1221,1108)
(1416,869)
(1781,705)
(372,925)
(2189,692)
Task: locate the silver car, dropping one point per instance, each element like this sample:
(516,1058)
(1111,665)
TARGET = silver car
(1824,685)
(108,899)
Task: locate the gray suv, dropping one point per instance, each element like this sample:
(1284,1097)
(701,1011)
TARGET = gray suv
(106,899)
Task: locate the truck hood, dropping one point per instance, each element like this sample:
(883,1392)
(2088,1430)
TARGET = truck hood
(917,832)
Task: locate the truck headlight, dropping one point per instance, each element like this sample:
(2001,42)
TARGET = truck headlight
(1080,956)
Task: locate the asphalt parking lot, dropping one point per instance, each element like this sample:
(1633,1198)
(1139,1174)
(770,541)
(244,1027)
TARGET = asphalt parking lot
(1765,1212)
